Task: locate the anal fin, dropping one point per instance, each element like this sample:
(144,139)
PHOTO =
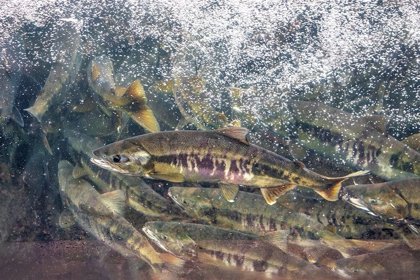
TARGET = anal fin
(115,201)
(229,191)
(271,194)
(277,238)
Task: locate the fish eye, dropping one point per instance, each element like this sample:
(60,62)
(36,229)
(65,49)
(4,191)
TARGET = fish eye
(119,158)
(165,237)
(373,201)
(184,201)
(116,158)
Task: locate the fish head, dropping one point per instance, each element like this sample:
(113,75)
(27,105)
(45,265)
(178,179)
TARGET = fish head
(123,157)
(377,201)
(191,200)
(172,238)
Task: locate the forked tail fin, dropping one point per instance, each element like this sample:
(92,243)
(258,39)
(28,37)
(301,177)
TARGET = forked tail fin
(331,190)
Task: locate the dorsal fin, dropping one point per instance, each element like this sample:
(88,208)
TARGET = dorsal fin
(238,133)
(377,122)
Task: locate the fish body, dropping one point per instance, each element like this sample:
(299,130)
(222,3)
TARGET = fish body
(353,141)
(64,70)
(226,248)
(250,214)
(96,214)
(131,100)
(223,156)
(396,200)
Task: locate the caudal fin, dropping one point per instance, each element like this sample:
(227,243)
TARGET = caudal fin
(330,191)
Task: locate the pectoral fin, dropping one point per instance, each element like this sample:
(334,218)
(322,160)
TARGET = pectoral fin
(115,201)
(171,177)
(66,219)
(271,194)
(277,238)
(229,191)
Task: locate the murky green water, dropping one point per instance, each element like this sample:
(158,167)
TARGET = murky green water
(331,89)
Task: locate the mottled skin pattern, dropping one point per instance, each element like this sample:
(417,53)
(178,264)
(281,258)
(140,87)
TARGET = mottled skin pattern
(250,214)
(96,218)
(140,196)
(207,156)
(341,136)
(391,200)
(232,249)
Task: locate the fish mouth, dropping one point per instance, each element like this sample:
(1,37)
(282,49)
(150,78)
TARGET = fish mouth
(150,234)
(358,203)
(175,200)
(106,165)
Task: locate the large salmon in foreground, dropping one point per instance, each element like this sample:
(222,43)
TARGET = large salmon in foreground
(222,156)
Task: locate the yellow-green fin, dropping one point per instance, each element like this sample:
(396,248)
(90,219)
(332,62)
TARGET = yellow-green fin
(171,177)
(238,133)
(229,191)
(277,238)
(35,112)
(146,119)
(271,194)
(66,219)
(172,263)
(136,92)
(115,201)
(95,71)
(79,172)
(330,191)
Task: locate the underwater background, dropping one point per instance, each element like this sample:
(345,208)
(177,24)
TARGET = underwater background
(333,86)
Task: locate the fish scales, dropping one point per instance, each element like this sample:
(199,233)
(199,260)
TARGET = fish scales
(140,196)
(354,141)
(213,156)
(396,200)
(229,248)
(94,215)
(248,214)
